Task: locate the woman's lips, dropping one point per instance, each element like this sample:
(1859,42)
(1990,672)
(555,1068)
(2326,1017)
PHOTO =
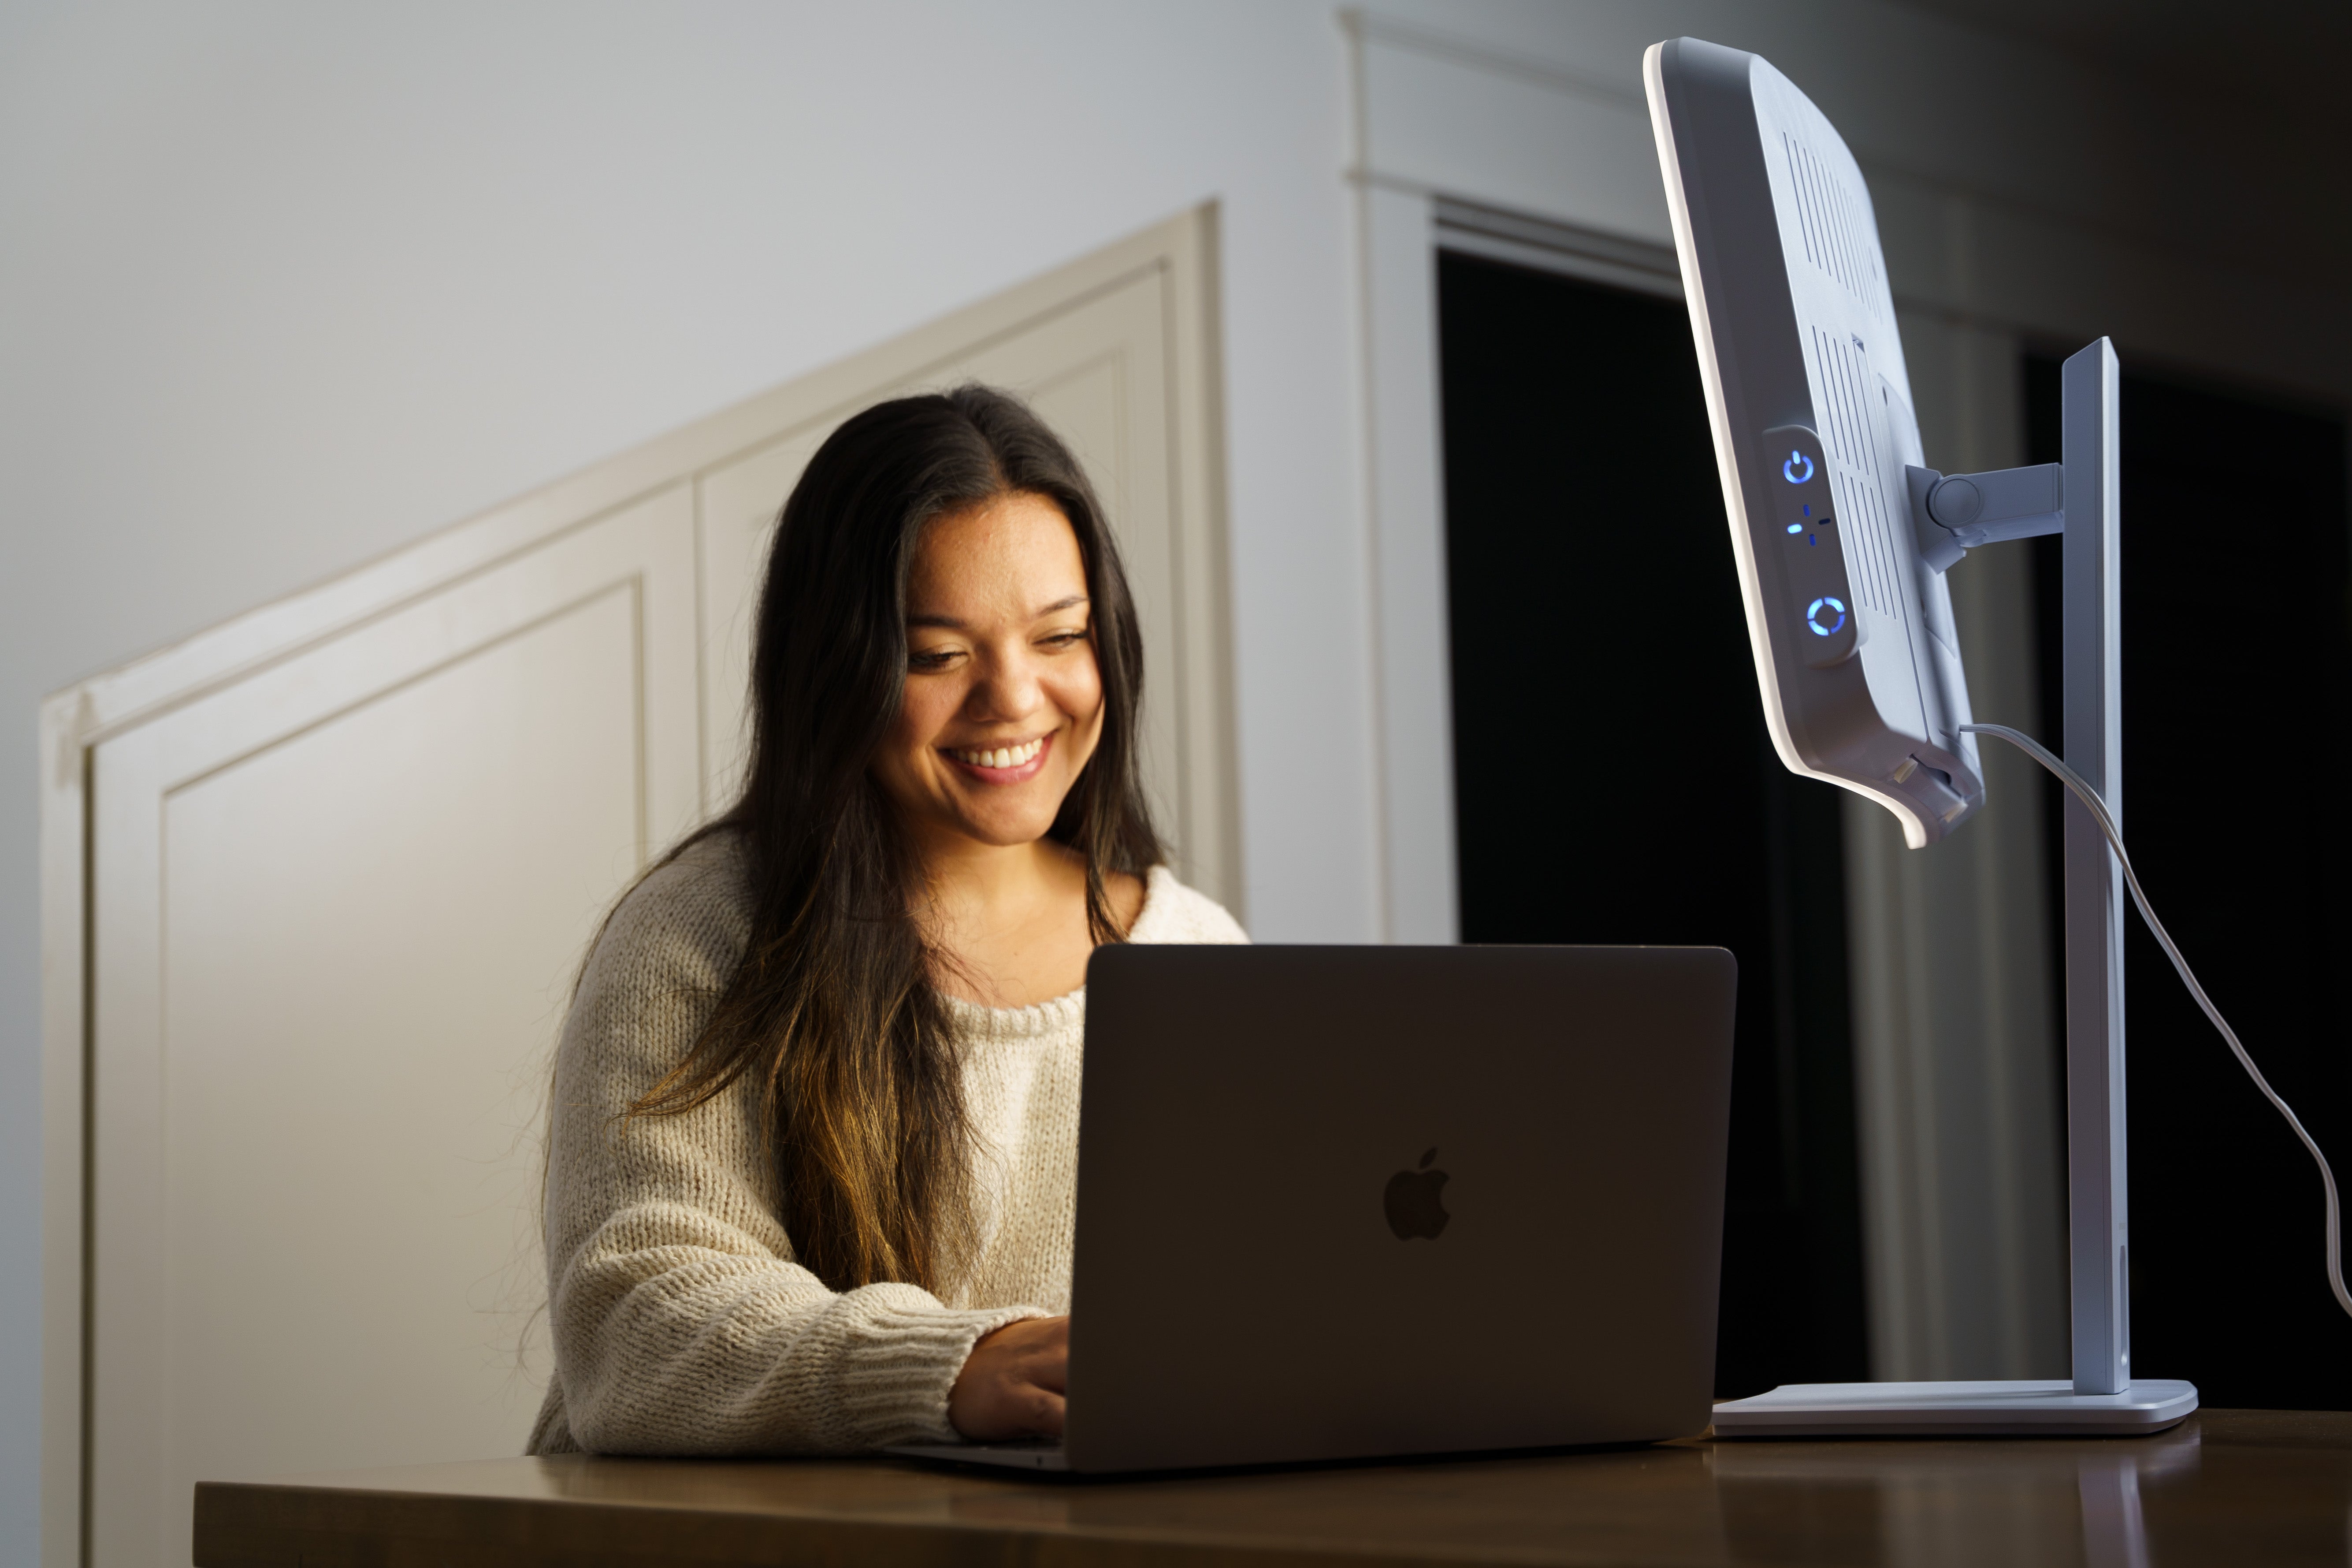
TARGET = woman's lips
(1023,763)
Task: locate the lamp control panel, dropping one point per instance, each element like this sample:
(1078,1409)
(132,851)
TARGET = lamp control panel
(1799,528)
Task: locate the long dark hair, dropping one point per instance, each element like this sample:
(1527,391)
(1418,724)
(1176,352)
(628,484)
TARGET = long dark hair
(833,1010)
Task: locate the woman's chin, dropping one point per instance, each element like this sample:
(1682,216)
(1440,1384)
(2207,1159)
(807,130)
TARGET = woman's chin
(1006,829)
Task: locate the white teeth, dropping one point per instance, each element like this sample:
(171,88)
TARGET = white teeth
(1000,756)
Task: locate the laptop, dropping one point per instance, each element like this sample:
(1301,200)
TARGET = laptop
(1341,1203)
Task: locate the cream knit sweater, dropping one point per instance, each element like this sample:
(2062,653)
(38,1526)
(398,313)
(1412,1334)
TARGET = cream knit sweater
(682,1324)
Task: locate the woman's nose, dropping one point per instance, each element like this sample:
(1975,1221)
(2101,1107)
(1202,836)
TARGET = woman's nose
(1008,688)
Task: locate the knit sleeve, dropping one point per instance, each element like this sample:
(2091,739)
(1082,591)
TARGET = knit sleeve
(682,1323)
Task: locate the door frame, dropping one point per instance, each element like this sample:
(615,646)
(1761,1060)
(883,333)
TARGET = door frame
(1460,147)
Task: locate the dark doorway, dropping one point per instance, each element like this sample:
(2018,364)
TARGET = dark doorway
(1612,776)
(2237,685)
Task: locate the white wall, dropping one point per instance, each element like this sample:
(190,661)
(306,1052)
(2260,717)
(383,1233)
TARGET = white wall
(283,287)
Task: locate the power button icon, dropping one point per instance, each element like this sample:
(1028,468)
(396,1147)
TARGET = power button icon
(1797,469)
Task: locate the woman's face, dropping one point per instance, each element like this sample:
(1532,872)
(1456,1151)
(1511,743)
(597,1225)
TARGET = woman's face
(1003,702)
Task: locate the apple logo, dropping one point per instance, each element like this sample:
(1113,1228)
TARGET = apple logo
(1414,1201)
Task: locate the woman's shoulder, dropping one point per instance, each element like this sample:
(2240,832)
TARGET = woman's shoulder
(688,918)
(1173,913)
(658,967)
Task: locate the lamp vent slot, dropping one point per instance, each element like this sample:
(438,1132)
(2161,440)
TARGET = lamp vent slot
(1841,373)
(1836,240)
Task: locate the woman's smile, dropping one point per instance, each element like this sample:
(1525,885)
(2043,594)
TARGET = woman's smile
(1011,762)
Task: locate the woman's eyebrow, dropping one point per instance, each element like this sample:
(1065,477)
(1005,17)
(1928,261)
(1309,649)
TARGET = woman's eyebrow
(951,624)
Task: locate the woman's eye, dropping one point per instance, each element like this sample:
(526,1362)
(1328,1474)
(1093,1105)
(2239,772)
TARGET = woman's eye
(1063,639)
(930,661)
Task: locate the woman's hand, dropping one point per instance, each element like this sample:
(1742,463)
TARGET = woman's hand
(1012,1384)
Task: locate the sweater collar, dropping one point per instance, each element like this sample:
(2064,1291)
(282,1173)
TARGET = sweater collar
(1069,1009)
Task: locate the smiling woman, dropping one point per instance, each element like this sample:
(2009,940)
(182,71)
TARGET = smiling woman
(814,1132)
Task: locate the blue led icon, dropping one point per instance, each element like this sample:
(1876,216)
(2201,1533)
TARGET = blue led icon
(1790,469)
(1796,528)
(1825,625)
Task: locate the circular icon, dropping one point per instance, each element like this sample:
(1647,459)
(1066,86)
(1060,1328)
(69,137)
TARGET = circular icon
(1790,469)
(1826,618)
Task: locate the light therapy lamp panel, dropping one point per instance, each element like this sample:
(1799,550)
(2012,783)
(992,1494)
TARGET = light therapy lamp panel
(1810,405)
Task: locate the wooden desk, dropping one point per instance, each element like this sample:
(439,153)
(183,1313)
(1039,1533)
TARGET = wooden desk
(2236,1487)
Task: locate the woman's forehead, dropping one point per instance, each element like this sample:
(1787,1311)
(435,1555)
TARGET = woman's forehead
(1015,555)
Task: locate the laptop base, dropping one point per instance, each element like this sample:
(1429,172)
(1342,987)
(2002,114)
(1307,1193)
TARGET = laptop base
(1036,1456)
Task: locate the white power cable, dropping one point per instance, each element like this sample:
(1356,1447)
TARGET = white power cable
(2098,809)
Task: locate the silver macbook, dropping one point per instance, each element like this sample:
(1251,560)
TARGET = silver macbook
(1351,1202)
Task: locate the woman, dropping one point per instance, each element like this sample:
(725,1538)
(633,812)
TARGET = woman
(813,1138)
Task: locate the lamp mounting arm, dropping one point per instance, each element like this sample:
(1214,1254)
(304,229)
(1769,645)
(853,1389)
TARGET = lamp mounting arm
(1951,514)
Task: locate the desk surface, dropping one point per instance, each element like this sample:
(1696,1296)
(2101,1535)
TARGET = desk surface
(2238,1487)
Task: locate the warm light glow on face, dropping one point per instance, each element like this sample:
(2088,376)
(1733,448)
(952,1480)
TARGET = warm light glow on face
(1004,700)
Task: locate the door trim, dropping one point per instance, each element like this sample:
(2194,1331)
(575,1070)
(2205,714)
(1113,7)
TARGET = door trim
(1459,147)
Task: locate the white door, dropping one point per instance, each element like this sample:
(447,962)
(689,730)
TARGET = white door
(343,855)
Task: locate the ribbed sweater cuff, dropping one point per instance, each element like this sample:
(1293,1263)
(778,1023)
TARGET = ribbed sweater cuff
(895,1379)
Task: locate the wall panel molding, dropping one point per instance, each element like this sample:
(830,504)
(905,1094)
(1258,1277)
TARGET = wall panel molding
(1119,350)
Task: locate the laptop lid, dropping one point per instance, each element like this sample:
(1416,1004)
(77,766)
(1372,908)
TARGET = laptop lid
(1341,1201)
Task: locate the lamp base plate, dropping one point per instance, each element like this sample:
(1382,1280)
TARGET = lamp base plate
(2003,1409)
